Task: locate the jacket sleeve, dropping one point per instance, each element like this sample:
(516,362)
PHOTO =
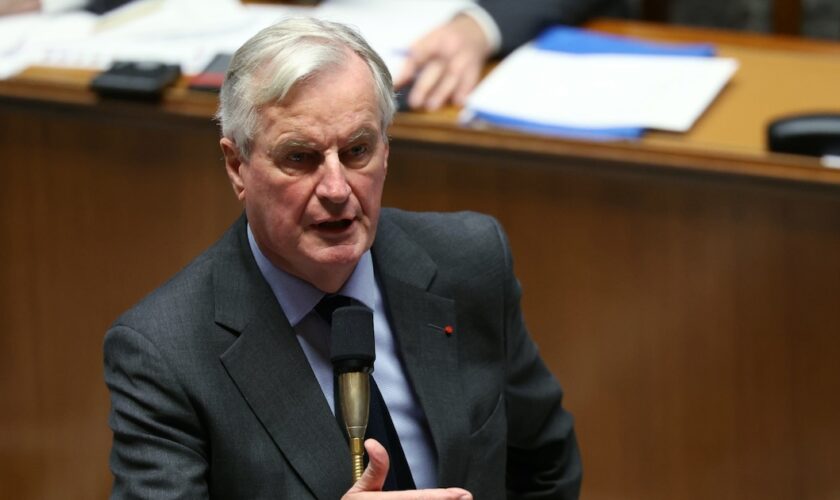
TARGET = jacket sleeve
(521,21)
(543,461)
(158,449)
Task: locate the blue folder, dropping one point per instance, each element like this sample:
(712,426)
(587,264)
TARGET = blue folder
(581,41)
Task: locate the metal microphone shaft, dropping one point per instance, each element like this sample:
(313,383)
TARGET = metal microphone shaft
(352,353)
(354,391)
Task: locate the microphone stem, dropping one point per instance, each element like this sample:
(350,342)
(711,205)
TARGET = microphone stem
(354,392)
(357,455)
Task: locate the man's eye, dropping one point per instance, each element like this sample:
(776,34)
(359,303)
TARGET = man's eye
(356,154)
(358,149)
(297,157)
(297,162)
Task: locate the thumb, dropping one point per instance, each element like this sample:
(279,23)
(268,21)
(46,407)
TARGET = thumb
(376,471)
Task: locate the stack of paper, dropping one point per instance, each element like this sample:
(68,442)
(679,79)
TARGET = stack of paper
(191,32)
(575,83)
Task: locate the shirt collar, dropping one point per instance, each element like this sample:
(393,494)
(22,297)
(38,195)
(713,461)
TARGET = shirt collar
(298,297)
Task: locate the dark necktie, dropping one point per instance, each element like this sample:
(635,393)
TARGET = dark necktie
(380,427)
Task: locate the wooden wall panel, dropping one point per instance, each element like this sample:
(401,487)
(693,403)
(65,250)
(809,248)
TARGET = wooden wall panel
(690,317)
(94,213)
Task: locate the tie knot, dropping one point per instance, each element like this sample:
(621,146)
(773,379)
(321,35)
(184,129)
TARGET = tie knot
(327,306)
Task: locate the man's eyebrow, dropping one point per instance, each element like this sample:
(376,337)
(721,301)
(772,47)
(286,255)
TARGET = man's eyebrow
(362,133)
(292,143)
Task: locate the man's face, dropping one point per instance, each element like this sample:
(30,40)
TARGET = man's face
(312,186)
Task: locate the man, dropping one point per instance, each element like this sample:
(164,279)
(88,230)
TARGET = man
(220,380)
(446,64)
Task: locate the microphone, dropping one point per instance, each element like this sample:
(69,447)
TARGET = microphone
(352,353)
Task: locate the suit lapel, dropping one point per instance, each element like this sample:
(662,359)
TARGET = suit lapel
(267,356)
(418,318)
(270,370)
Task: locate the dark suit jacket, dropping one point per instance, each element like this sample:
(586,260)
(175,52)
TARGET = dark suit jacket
(212,395)
(520,21)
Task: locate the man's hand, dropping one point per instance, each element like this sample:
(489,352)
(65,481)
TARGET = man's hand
(369,486)
(18,6)
(445,64)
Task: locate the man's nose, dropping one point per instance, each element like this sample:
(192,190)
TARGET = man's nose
(333,184)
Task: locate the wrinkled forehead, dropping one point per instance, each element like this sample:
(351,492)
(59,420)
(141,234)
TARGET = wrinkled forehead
(329,105)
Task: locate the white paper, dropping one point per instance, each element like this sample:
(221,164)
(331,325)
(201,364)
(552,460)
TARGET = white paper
(191,32)
(25,37)
(13,34)
(185,32)
(601,90)
(830,161)
(152,30)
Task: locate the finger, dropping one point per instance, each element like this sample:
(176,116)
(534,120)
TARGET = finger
(376,471)
(466,85)
(437,494)
(422,51)
(425,82)
(374,477)
(461,75)
(459,494)
(443,92)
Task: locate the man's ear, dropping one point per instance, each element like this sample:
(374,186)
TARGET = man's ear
(387,152)
(233,166)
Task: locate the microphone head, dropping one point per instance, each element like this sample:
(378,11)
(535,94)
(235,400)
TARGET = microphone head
(353,348)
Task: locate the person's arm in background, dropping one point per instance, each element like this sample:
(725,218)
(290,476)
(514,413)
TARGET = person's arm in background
(19,6)
(46,6)
(446,63)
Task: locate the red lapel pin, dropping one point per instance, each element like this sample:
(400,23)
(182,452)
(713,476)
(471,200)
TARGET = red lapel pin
(448,329)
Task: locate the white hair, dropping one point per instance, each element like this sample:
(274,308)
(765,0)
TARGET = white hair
(274,60)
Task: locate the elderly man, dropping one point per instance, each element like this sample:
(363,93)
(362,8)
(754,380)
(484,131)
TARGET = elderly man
(221,384)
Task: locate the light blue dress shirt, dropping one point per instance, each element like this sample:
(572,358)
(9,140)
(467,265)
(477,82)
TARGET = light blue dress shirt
(297,298)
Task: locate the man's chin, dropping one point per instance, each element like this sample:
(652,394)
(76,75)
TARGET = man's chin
(329,268)
(340,255)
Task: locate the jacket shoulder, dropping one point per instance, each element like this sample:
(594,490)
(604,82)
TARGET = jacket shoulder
(456,227)
(466,240)
(185,298)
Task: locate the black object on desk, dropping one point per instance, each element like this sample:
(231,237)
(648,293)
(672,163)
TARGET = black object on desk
(815,134)
(135,80)
(103,6)
(402,97)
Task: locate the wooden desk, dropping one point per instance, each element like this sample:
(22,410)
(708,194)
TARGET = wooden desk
(683,288)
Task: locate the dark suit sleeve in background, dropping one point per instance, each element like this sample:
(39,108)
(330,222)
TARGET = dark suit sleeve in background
(520,21)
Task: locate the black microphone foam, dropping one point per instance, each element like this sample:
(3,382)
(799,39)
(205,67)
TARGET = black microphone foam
(353,348)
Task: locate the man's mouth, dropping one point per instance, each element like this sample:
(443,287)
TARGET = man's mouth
(334,225)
